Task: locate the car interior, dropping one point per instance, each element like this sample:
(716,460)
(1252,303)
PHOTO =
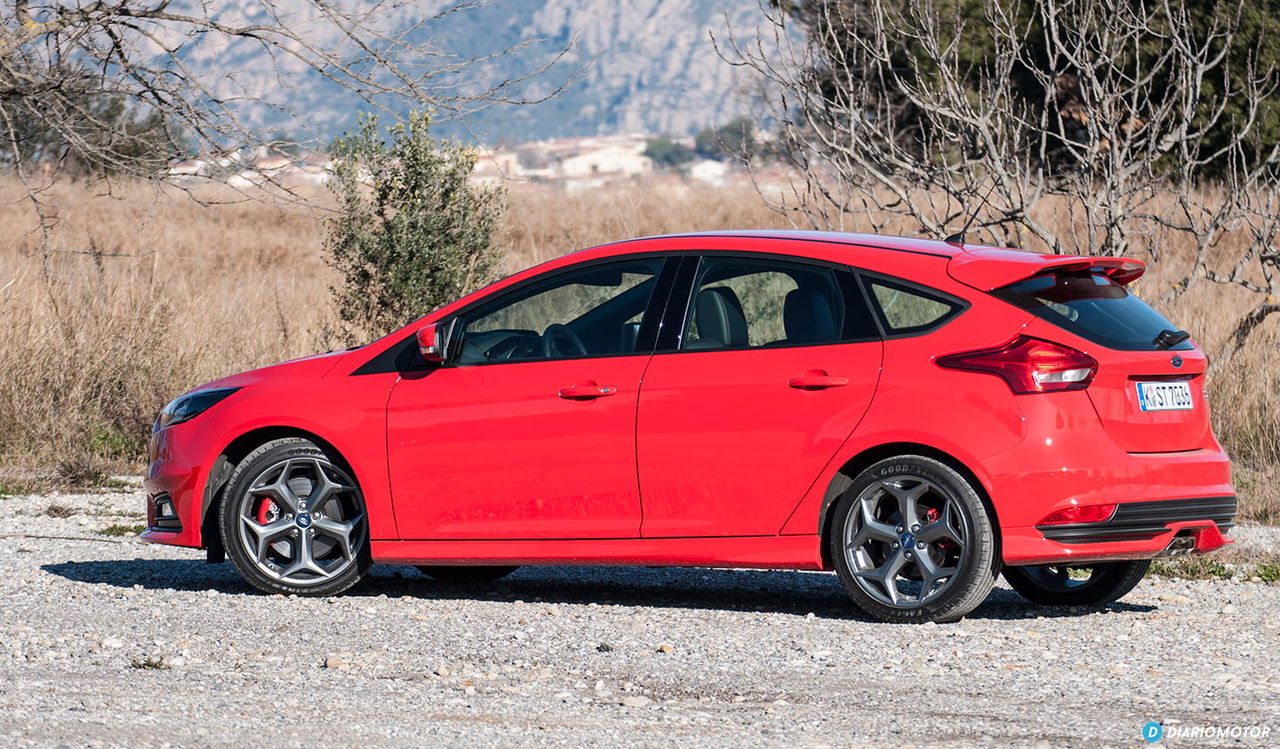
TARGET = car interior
(605,307)
(744,304)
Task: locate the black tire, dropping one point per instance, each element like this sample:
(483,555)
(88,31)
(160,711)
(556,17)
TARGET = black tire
(465,575)
(1071,585)
(869,536)
(281,541)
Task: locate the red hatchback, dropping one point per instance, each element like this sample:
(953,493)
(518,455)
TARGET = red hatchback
(917,415)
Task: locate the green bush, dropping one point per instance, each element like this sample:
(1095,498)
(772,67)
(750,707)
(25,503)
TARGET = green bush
(411,233)
(735,139)
(667,153)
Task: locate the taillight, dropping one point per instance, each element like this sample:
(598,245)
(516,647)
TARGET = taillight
(1029,365)
(1079,514)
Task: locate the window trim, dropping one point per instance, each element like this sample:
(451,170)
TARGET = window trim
(959,305)
(677,315)
(401,357)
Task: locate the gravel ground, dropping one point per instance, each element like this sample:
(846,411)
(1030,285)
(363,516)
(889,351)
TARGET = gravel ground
(108,641)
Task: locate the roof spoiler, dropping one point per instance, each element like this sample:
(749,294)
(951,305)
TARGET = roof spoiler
(990,269)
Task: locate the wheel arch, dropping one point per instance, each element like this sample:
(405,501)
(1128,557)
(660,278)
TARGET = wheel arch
(223,466)
(868,457)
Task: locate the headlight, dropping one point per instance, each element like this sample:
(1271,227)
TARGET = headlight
(186,407)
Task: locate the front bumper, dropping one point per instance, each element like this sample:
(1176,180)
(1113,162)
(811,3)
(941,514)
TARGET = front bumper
(180,456)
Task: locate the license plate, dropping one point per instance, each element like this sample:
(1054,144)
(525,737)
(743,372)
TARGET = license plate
(1164,396)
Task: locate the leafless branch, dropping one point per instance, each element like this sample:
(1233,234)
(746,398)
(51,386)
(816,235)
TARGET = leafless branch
(1096,126)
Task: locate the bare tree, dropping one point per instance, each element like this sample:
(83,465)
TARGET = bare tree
(112,85)
(1069,126)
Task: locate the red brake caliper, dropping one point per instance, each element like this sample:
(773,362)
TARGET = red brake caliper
(931,515)
(265,507)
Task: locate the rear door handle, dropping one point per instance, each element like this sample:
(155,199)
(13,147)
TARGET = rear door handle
(587,390)
(817,379)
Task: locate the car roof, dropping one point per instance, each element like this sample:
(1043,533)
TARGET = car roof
(915,245)
(980,266)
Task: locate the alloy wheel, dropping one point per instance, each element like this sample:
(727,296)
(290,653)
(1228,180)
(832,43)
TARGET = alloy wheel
(300,521)
(906,540)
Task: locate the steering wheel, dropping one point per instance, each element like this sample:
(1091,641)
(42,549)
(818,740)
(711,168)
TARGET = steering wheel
(559,341)
(516,347)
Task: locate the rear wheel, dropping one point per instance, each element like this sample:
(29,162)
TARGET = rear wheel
(1076,585)
(473,575)
(293,521)
(912,542)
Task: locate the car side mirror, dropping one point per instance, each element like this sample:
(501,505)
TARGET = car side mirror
(431,342)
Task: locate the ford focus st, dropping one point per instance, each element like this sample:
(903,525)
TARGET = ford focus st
(919,416)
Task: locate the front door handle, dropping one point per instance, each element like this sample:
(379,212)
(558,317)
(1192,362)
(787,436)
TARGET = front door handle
(587,390)
(817,379)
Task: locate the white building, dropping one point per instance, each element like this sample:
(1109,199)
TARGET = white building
(711,172)
(606,161)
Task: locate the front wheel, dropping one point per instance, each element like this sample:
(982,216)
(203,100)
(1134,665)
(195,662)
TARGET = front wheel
(912,542)
(293,521)
(1076,585)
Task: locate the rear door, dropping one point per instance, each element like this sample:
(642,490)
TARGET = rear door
(1148,395)
(771,363)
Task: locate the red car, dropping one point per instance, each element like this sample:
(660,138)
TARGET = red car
(917,415)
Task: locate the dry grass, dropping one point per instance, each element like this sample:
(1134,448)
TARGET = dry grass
(92,346)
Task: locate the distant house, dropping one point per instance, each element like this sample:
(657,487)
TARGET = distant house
(497,165)
(230,158)
(606,161)
(272,163)
(315,159)
(245,179)
(708,171)
(188,168)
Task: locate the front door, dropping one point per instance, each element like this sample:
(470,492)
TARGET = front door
(777,363)
(529,431)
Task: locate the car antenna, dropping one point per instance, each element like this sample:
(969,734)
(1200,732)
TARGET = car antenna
(958,237)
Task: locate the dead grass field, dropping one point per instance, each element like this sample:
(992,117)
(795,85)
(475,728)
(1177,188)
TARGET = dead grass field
(91,345)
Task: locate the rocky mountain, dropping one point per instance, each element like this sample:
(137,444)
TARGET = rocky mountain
(632,66)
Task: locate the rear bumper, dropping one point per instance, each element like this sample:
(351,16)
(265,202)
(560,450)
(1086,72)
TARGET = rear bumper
(1138,530)
(1067,459)
(1143,521)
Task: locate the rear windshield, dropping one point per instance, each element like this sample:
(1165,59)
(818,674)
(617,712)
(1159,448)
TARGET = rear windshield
(1092,306)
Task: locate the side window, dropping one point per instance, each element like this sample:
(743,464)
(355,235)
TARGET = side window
(746,303)
(905,309)
(593,311)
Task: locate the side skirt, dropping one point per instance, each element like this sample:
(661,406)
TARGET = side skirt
(764,552)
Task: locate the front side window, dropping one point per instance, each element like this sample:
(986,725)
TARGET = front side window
(747,303)
(594,311)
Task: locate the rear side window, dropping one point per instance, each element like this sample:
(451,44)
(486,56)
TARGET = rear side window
(1093,307)
(908,310)
(741,303)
